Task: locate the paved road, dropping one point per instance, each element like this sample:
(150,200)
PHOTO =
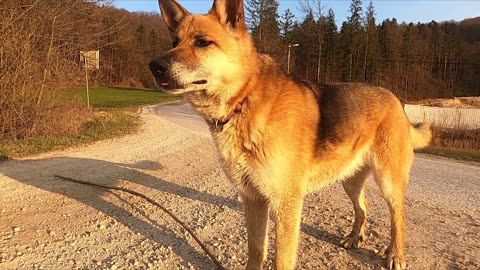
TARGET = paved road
(446,181)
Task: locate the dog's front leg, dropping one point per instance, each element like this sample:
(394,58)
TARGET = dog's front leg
(256,215)
(287,230)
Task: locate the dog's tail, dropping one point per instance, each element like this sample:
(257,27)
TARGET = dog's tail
(421,135)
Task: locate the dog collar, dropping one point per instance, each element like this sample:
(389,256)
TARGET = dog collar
(218,124)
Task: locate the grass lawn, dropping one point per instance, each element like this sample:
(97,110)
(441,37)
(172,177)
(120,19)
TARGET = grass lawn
(122,97)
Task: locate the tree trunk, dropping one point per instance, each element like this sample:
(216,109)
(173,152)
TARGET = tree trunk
(319,66)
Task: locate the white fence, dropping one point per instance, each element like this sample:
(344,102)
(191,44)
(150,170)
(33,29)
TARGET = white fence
(444,117)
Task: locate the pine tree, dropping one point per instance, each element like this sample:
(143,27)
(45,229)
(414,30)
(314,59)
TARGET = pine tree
(356,16)
(329,48)
(390,40)
(407,43)
(320,35)
(253,10)
(286,26)
(262,18)
(351,33)
(371,46)
(309,44)
(407,56)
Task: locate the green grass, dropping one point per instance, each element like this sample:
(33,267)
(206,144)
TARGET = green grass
(121,97)
(112,119)
(455,153)
(104,125)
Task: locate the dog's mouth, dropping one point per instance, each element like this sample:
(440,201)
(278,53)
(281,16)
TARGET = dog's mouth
(200,82)
(176,88)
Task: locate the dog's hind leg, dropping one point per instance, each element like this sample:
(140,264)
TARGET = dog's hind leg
(256,215)
(393,157)
(393,187)
(391,173)
(355,189)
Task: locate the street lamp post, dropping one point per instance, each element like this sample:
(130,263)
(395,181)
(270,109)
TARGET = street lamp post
(288,58)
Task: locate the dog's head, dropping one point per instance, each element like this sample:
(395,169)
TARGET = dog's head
(211,52)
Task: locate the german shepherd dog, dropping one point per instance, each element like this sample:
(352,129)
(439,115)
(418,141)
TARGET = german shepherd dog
(280,139)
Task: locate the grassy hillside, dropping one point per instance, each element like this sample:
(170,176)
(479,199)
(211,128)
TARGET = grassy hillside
(111,116)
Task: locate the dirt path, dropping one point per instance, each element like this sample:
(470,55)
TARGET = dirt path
(49,224)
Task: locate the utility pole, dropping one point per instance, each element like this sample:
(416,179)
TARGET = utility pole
(288,58)
(86,79)
(90,58)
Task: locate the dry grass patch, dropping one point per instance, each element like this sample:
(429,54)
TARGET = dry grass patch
(455,143)
(103,125)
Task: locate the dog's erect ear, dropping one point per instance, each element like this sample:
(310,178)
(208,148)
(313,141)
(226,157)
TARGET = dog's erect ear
(230,13)
(173,13)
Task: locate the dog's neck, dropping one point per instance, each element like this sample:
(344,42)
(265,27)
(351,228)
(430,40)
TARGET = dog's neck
(218,124)
(218,111)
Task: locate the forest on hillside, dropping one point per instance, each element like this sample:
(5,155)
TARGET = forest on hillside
(41,42)
(414,60)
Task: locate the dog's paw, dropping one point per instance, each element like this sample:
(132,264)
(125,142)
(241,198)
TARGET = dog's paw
(352,241)
(396,262)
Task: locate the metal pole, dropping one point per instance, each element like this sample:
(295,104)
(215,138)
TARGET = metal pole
(288,59)
(86,79)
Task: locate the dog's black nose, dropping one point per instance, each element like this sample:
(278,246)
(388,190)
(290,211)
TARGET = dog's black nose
(158,67)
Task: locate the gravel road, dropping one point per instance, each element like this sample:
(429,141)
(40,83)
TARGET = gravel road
(46,223)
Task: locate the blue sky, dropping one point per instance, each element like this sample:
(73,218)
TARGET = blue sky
(403,10)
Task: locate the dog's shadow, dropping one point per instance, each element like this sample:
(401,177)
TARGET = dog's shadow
(362,255)
(40,173)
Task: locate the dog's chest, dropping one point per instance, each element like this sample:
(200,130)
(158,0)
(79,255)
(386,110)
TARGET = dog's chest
(243,155)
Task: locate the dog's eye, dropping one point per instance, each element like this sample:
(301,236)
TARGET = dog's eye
(202,43)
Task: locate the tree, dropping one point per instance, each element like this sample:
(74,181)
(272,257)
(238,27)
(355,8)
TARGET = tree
(390,40)
(153,43)
(286,26)
(351,33)
(307,36)
(39,57)
(330,43)
(371,46)
(140,37)
(407,55)
(319,32)
(262,18)
(253,10)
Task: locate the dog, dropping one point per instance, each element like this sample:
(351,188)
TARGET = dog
(280,139)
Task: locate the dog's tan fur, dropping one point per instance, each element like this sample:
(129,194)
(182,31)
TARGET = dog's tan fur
(280,139)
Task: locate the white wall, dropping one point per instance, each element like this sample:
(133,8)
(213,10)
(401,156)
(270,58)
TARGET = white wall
(444,117)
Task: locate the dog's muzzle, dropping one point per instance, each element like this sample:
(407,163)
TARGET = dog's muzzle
(159,68)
